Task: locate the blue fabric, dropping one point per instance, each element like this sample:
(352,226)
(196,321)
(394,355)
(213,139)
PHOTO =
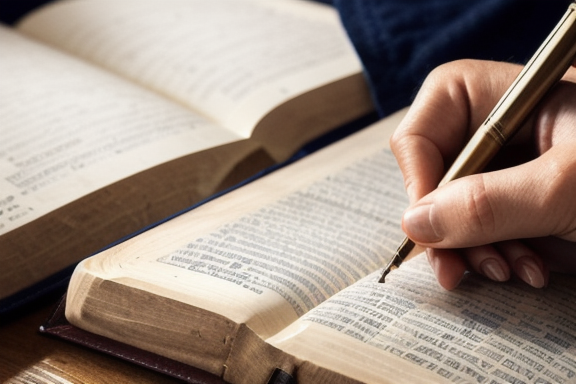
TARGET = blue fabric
(12,10)
(401,41)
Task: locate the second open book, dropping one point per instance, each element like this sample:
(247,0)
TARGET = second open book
(116,114)
(282,274)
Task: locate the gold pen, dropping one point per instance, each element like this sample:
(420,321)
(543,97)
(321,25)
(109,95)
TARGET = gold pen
(543,70)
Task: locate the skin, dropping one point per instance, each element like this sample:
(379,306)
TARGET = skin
(519,218)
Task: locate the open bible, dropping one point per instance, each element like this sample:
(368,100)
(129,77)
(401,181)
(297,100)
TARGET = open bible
(281,276)
(117,114)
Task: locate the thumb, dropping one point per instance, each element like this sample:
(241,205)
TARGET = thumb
(531,200)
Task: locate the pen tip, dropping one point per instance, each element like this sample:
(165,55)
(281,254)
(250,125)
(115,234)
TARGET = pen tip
(382,278)
(399,256)
(386,272)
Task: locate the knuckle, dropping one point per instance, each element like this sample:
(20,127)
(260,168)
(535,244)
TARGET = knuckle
(447,70)
(559,201)
(402,145)
(396,141)
(479,208)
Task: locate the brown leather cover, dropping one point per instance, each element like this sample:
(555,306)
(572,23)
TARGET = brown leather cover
(58,326)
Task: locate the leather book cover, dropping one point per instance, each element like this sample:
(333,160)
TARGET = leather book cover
(58,326)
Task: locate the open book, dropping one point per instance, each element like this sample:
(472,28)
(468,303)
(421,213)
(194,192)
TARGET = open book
(116,114)
(282,274)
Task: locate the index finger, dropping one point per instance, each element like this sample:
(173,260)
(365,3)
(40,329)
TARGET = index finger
(452,103)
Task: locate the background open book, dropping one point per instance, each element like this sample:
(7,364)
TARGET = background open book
(282,274)
(116,114)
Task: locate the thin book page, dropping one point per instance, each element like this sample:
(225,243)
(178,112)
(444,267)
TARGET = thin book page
(269,252)
(69,128)
(233,61)
(480,332)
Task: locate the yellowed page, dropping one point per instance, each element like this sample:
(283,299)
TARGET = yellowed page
(269,252)
(410,330)
(69,128)
(231,60)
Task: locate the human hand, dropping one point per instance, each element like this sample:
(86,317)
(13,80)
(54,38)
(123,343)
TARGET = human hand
(474,222)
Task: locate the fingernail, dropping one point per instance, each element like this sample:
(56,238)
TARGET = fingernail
(492,269)
(528,270)
(418,225)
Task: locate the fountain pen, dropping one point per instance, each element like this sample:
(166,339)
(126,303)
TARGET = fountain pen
(542,72)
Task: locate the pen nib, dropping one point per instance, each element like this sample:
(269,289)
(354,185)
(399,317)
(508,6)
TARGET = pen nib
(401,253)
